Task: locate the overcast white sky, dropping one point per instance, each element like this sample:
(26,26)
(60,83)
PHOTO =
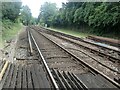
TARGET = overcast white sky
(34,5)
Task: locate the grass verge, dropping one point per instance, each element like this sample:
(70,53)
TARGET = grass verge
(9,31)
(71,32)
(83,34)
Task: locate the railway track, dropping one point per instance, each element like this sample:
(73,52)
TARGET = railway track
(27,70)
(60,78)
(76,48)
(84,51)
(112,54)
(40,63)
(58,59)
(70,41)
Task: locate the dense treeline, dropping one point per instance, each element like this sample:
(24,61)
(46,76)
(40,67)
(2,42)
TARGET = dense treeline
(25,15)
(103,16)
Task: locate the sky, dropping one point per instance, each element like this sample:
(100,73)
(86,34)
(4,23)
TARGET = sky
(34,5)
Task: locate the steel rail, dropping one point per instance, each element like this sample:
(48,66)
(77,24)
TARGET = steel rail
(45,64)
(84,63)
(30,44)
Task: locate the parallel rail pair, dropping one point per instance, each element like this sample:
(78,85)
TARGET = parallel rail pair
(55,85)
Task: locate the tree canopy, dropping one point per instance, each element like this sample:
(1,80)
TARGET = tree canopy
(11,10)
(26,15)
(47,13)
(104,16)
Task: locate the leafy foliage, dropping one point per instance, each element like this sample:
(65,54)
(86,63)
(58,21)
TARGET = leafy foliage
(104,16)
(11,10)
(47,12)
(26,15)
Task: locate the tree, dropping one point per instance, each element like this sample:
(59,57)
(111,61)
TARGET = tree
(11,10)
(47,12)
(26,15)
(33,21)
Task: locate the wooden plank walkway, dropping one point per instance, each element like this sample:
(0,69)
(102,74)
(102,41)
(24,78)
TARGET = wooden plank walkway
(33,77)
(18,77)
(86,81)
